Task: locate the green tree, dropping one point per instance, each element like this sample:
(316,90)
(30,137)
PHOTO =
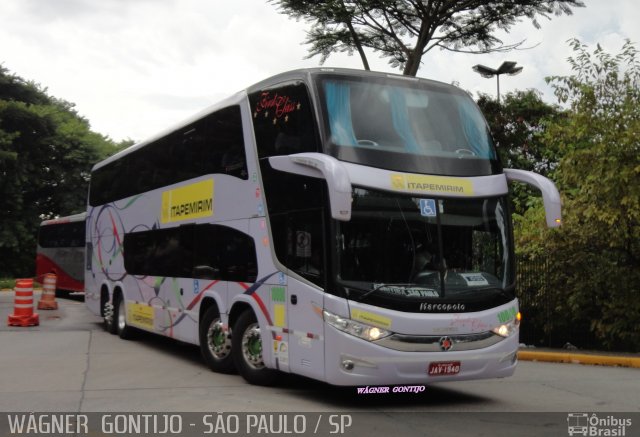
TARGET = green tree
(46,153)
(596,254)
(403,31)
(517,124)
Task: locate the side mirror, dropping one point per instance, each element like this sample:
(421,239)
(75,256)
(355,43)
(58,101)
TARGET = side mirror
(550,194)
(324,167)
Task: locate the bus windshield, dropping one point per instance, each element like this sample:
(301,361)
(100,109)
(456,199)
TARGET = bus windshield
(416,248)
(406,126)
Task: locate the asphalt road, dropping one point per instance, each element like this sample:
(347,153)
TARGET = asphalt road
(69,364)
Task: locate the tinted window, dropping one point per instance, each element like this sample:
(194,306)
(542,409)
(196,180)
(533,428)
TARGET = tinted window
(213,144)
(192,251)
(296,212)
(415,249)
(416,127)
(283,121)
(62,235)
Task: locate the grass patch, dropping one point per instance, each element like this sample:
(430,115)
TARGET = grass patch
(10,283)
(7,283)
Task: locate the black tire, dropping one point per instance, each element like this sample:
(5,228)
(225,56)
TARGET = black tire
(108,316)
(123,330)
(62,293)
(215,343)
(247,351)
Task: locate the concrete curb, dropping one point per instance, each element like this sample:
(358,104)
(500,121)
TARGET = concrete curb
(577,358)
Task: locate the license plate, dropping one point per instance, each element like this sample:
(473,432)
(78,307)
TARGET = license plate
(444,368)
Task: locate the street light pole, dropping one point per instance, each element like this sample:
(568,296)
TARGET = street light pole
(507,67)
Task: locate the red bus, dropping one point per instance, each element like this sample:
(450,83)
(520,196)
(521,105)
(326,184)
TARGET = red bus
(61,251)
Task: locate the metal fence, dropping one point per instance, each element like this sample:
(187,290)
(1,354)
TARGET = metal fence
(542,308)
(531,286)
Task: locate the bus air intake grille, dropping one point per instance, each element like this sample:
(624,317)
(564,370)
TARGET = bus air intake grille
(439,343)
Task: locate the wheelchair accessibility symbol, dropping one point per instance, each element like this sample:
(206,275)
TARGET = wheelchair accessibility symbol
(428,207)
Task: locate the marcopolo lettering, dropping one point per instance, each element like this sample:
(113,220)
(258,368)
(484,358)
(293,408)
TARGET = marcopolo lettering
(441,307)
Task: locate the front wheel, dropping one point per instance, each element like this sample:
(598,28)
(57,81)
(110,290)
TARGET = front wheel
(247,351)
(215,342)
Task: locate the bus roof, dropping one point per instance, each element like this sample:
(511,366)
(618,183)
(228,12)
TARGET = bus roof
(293,75)
(67,219)
(308,73)
(232,100)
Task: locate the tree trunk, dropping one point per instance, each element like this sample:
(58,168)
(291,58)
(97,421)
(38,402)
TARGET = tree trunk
(356,41)
(412,65)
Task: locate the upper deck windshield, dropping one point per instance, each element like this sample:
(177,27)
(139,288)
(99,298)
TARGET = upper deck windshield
(400,251)
(405,125)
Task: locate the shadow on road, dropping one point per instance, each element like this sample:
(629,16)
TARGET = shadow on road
(348,397)
(333,396)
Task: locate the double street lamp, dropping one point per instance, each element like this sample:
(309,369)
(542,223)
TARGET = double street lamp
(507,67)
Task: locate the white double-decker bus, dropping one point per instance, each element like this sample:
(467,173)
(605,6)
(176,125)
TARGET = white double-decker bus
(347,226)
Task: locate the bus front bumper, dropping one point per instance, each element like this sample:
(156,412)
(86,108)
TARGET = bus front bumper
(352,361)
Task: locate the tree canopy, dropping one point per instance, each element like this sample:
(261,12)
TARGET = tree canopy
(596,253)
(517,124)
(46,153)
(404,30)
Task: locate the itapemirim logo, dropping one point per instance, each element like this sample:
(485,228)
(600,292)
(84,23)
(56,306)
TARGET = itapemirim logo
(594,425)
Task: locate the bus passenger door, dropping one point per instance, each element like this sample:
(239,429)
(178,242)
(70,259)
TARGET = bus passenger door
(305,258)
(306,336)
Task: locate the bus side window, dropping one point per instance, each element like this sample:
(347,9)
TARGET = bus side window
(224,253)
(202,251)
(213,144)
(283,121)
(240,263)
(295,207)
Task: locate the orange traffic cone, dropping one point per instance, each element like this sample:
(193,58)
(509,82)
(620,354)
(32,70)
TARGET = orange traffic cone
(48,298)
(23,314)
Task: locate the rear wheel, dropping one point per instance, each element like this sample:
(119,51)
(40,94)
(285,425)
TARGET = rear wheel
(108,316)
(247,351)
(120,316)
(215,342)
(62,293)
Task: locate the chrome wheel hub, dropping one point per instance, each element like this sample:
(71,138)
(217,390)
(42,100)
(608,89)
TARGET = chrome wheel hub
(252,346)
(108,313)
(218,340)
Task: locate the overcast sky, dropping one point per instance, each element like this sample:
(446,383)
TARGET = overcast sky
(135,67)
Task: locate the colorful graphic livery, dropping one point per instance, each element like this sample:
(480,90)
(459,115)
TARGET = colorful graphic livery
(347,226)
(61,251)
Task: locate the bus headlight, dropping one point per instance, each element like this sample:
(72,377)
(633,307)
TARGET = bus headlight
(506,329)
(357,329)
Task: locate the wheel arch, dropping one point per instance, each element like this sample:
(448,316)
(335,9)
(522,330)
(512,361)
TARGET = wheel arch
(104,297)
(208,302)
(237,309)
